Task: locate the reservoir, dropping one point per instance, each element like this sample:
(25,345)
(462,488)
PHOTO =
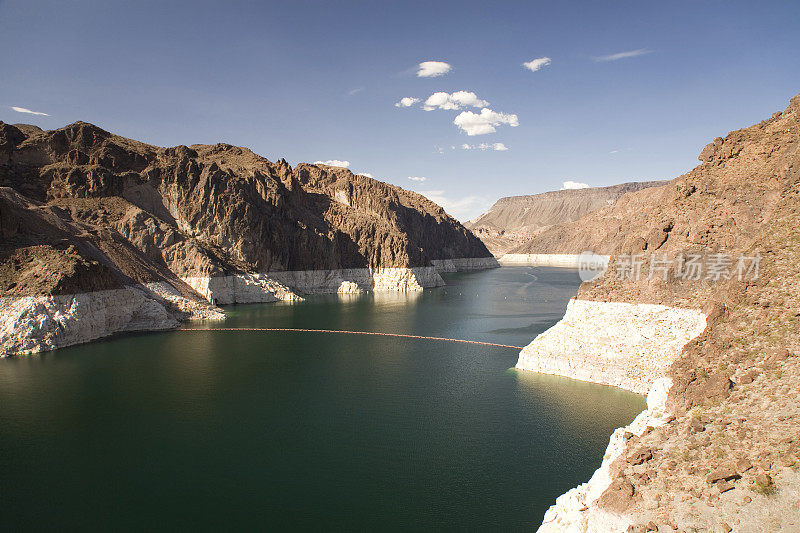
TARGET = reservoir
(222,430)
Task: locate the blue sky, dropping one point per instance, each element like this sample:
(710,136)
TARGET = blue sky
(313,81)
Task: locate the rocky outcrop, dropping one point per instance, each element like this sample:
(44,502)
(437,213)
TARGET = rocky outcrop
(724,453)
(84,211)
(514,220)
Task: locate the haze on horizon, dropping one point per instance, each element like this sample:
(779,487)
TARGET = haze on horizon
(440,98)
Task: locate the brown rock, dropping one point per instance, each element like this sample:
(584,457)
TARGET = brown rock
(640,456)
(725,485)
(749,377)
(696,426)
(717,386)
(618,496)
(722,473)
(777,354)
(743,465)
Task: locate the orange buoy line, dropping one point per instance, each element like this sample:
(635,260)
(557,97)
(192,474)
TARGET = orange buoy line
(376,333)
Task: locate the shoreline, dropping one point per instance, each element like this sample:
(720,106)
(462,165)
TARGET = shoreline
(577,509)
(629,346)
(35,324)
(613,343)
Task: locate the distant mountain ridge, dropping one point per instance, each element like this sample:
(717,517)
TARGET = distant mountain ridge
(514,220)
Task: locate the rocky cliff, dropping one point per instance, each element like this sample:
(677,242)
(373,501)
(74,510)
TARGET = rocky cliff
(85,211)
(514,220)
(719,450)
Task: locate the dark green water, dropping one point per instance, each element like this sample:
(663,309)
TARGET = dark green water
(290,431)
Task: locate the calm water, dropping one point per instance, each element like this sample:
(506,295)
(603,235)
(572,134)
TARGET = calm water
(225,430)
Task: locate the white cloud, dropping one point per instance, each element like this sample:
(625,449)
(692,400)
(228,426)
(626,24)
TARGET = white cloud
(497,147)
(333,163)
(569,185)
(462,208)
(416,178)
(485,122)
(613,151)
(355,91)
(442,100)
(536,64)
(24,110)
(367,174)
(623,55)
(431,69)
(406,101)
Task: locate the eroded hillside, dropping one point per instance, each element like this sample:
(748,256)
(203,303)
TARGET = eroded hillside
(513,221)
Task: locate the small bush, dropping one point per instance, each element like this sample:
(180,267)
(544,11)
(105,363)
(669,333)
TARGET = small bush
(765,489)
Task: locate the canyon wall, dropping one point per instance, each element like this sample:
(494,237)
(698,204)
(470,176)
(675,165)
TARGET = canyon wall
(83,211)
(718,346)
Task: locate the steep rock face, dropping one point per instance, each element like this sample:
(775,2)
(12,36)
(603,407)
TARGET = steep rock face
(727,452)
(89,218)
(512,221)
(65,281)
(215,209)
(44,251)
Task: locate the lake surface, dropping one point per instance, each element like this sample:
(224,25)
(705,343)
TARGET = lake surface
(305,431)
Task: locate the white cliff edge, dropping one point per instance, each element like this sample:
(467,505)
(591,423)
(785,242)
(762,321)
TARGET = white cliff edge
(31,324)
(626,345)
(613,343)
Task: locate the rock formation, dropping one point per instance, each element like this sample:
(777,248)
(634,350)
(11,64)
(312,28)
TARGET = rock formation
(84,211)
(720,450)
(514,220)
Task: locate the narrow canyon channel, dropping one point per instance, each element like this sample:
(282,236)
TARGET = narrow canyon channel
(230,430)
